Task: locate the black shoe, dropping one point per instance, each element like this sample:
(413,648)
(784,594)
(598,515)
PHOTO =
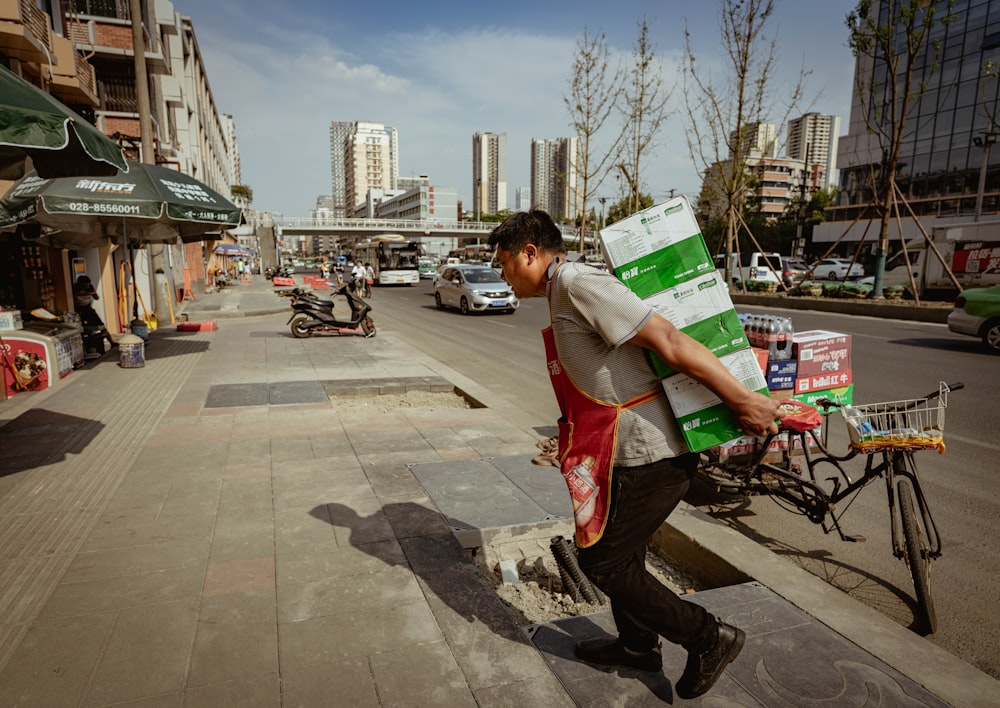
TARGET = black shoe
(705,666)
(611,651)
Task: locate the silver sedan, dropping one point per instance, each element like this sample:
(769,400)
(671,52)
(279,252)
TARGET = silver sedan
(473,288)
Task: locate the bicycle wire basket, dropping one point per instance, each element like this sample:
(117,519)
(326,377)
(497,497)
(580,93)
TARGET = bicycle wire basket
(912,424)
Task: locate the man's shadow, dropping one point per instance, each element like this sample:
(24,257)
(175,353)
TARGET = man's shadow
(435,556)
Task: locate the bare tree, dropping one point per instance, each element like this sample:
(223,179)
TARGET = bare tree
(593,91)
(643,104)
(895,38)
(724,114)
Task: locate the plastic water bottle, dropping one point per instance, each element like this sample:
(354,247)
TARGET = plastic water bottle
(783,344)
(771,329)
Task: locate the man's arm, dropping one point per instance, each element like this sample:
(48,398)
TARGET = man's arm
(755,412)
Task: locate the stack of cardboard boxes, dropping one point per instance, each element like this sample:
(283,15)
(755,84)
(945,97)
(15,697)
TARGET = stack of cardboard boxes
(660,255)
(820,367)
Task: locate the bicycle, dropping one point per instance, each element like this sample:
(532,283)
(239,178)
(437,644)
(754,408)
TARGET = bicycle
(796,467)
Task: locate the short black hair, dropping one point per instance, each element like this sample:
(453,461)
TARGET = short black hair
(524,227)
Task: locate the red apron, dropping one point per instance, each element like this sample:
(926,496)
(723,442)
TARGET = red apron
(588,434)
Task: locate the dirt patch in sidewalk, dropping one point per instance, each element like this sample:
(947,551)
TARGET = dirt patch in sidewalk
(539,595)
(390,402)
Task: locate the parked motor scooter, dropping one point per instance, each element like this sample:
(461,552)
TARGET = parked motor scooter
(312,315)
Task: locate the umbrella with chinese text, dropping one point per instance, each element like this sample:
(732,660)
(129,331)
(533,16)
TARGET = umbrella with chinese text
(148,204)
(59,142)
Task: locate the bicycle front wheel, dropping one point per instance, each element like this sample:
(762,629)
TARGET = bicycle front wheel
(917,556)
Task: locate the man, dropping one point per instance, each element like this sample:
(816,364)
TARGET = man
(624,431)
(358,274)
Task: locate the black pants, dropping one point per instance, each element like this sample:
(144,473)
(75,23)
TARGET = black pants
(641,499)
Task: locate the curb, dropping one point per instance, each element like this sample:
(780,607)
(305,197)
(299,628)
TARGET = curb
(936,312)
(727,557)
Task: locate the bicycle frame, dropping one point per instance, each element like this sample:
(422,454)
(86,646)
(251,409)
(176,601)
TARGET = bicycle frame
(795,479)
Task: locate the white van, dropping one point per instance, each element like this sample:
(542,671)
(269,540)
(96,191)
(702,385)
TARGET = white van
(751,266)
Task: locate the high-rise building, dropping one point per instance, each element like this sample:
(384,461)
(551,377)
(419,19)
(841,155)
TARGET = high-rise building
(340,131)
(489,173)
(554,177)
(522,198)
(363,155)
(813,138)
(946,148)
(371,161)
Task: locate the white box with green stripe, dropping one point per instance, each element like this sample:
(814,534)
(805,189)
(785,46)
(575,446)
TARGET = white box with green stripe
(702,309)
(703,418)
(656,248)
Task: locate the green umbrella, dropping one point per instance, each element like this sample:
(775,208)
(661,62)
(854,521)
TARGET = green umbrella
(59,142)
(148,204)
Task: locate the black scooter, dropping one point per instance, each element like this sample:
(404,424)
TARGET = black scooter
(312,315)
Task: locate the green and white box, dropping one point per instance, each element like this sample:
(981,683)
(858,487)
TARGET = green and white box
(656,248)
(702,309)
(703,418)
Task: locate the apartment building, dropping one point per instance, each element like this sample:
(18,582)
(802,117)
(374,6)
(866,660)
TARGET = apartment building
(81,51)
(371,161)
(815,138)
(555,183)
(489,173)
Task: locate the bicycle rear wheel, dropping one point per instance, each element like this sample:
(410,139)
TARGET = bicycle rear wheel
(917,556)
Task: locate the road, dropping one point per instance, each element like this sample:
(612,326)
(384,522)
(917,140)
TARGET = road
(891,360)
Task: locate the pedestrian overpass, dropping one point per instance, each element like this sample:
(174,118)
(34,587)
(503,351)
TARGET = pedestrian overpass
(417,229)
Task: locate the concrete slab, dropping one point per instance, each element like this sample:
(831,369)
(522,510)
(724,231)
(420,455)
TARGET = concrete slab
(769,671)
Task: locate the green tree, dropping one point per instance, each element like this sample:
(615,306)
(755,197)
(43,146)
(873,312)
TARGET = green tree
(894,37)
(724,114)
(594,87)
(643,105)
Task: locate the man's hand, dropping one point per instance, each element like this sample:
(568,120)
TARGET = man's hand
(756,416)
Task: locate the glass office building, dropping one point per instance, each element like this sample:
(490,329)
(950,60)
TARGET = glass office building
(951,128)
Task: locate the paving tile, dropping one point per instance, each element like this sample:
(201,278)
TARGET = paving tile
(152,644)
(247,470)
(115,562)
(537,691)
(256,690)
(296,392)
(298,561)
(486,636)
(246,495)
(235,576)
(54,661)
(336,637)
(237,637)
(359,521)
(240,535)
(124,591)
(425,675)
(350,680)
(359,592)
(242,394)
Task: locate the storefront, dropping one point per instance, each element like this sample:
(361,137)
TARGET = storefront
(42,340)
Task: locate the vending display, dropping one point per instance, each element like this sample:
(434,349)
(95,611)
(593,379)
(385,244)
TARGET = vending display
(40,354)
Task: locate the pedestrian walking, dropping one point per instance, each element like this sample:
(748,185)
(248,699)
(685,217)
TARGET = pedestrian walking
(623,431)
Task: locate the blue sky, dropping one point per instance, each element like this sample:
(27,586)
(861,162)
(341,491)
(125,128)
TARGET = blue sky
(441,71)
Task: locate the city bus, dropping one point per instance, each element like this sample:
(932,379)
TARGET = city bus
(394,259)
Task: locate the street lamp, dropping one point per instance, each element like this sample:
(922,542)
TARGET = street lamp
(602,200)
(985,142)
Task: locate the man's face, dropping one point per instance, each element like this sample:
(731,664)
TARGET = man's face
(521,271)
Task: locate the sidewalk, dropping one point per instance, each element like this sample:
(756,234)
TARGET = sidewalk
(213,529)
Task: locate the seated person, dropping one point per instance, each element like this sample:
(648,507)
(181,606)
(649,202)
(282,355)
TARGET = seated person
(84,295)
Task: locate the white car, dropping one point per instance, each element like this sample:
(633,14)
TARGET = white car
(837,269)
(473,288)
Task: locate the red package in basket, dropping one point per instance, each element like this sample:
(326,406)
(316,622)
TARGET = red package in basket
(798,415)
